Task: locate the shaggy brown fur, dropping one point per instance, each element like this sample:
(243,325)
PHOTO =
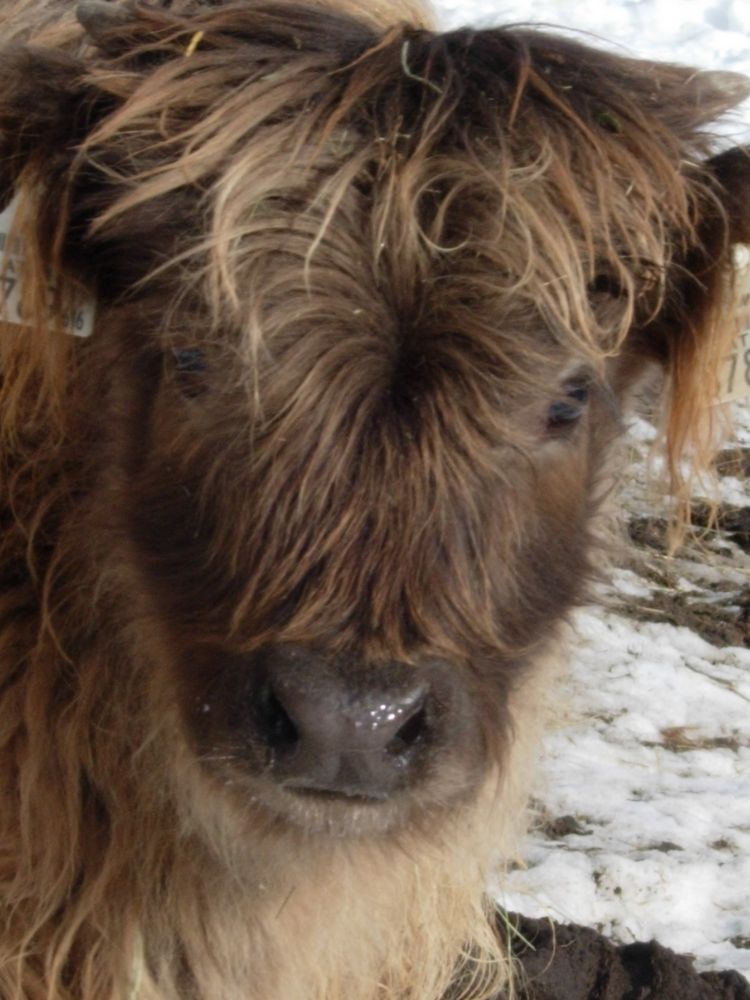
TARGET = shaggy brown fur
(370,301)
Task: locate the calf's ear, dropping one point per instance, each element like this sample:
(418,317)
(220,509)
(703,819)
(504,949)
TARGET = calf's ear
(731,170)
(44,113)
(47,107)
(47,110)
(699,323)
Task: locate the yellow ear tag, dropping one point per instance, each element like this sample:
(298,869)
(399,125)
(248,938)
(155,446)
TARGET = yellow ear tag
(734,380)
(80,320)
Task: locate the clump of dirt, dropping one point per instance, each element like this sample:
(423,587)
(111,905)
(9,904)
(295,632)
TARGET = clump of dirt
(648,532)
(722,623)
(679,739)
(569,962)
(563,826)
(719,612)
(733,522)
(725,520)
(733,462)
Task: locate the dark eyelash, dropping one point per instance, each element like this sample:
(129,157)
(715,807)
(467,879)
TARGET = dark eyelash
(579,391)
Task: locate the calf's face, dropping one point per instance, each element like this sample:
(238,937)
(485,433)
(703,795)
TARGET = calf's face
(370,309)
(357,535)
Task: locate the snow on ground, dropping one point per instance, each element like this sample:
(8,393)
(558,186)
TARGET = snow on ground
(645,822)
(644,795)
(644,791)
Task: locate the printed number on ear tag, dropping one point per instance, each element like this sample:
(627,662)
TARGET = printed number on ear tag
(80,320)
(735,375)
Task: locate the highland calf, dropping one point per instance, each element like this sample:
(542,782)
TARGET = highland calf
(288,543)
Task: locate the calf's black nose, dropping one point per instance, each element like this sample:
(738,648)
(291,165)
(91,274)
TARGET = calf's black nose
(327,728)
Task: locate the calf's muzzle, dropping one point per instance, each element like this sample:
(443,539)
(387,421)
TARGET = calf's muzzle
(332,727)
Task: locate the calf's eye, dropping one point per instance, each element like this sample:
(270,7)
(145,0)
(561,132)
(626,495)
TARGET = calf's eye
(190,368)
(189,359)
(564,413)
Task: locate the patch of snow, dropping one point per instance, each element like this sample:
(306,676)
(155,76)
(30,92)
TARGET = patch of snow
(653,761)
(734,491)
(629,584)
(641,430)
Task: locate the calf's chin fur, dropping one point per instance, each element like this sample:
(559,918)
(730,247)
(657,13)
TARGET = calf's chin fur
(370,303)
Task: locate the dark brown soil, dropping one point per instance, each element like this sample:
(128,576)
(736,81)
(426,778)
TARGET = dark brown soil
(725,520)
(733,462)
(723,623)
(568,962)
(720,614)
(733,522)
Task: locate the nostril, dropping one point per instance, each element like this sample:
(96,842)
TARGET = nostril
(410,734)
(277,727)
(333,727)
